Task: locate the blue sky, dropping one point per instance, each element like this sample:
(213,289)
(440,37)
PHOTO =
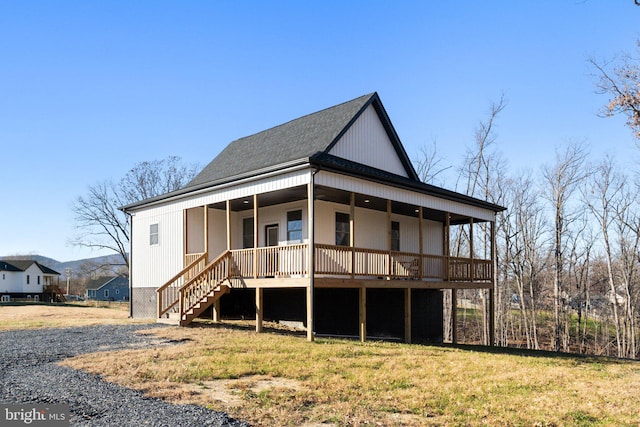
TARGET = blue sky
(88,89)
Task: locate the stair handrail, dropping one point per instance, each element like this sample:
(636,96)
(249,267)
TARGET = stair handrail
(174,281)
(192,292)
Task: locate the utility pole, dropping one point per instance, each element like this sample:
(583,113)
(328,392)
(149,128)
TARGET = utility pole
(67,271)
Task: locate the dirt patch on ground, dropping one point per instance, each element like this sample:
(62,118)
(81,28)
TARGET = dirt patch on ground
(230,391)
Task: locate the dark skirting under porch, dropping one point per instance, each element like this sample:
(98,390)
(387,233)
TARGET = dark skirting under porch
(337,311)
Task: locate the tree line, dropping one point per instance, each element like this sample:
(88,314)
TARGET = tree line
(568,245)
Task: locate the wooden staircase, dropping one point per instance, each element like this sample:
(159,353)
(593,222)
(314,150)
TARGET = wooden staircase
(194,289)
(55,293)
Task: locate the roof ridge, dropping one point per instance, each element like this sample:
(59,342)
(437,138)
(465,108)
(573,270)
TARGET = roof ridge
(369,95)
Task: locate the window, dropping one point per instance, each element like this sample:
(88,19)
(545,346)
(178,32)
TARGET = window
(2,276)
(38,280)
(153,234)
(247,233)
(342,229)
(294,226)
(117,291)
(395,236)
(28,279)
(106,293)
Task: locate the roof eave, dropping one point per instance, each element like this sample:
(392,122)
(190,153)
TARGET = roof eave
(402,182)
(232,180)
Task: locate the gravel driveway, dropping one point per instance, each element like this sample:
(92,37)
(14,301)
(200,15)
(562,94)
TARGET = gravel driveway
(29,374)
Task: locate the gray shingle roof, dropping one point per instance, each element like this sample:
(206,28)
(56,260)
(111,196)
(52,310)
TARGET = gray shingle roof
(298,139)
(22,265)
(96,284)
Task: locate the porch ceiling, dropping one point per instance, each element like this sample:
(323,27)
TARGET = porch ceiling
(266,199)
(379,204)
(338,196)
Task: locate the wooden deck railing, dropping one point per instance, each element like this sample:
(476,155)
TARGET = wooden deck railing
(337,260)
(206,281)
(290,260)
(189,258)
(168,294)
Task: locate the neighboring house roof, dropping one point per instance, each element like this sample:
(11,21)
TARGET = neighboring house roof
(309,140)
(100,282)
(22,265)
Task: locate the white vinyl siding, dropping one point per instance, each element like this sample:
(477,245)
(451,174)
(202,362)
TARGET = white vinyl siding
(153,265)
(367,142)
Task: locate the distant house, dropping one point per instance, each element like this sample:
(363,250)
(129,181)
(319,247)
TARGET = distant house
(27,279)
(114,288)
(323,221)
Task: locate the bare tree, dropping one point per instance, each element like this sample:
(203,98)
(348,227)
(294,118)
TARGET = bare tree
(101,225)
(480,175)
(524,239)
(429,164)
(562,178)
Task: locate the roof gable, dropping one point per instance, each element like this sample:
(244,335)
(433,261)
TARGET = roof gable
(298,140)
(368,142)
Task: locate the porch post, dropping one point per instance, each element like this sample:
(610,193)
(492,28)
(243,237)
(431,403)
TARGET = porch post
(259,309)
(228,225)
(216,311)
(311,258)
(447,240)
(206,234)
(420,244)
(454,292)
(185,246)
(389,237)
(363,313)
(352,238)
(255,236)
(454,316)
(471,256)
(407,315)
(494,279)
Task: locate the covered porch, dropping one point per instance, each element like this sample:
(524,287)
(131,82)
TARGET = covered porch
(315,236)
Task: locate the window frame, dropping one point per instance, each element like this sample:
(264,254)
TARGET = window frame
(290,230)
(245,243)
(154,236)
(395,236)
(345,231)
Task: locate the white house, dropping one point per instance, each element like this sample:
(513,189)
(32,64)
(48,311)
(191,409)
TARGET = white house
(26,279)
(321,220)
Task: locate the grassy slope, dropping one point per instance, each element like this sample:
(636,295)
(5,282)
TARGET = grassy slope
(350,383)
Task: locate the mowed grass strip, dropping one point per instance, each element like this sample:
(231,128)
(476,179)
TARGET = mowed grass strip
(342,382)
(30,316)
